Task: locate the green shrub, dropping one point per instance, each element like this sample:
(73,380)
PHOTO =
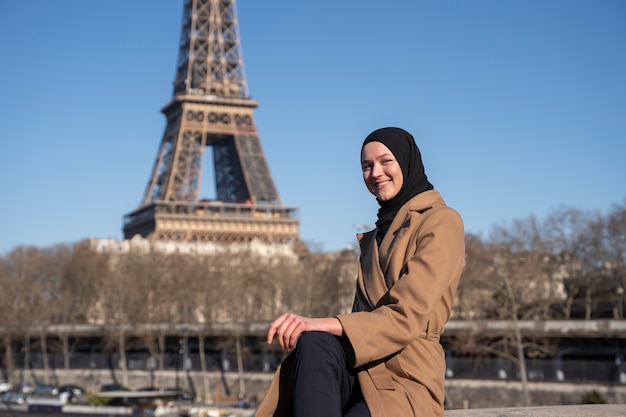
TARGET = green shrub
(592,397)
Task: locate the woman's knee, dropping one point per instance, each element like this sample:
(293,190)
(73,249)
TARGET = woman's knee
(319,343)
(317,337)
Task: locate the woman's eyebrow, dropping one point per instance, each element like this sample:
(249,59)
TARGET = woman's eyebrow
(378,157)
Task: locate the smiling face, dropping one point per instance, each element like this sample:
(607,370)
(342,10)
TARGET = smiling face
(381,171)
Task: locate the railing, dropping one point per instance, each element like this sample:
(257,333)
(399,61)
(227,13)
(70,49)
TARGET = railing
(602,362)
(214,208)
(570,371)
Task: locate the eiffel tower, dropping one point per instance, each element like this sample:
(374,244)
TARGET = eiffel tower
(211,107)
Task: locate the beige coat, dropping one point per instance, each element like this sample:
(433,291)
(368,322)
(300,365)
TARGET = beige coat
(404,298)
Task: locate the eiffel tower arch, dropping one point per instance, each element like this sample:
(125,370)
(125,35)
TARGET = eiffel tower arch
(211,107)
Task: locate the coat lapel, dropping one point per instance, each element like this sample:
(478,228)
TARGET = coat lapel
(398,233)
(374,282)
(375,279)
(394,238)
(371,278)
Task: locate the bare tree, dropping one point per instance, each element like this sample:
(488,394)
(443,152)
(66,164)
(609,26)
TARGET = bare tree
(574,236)
(11,306)
(474,291)
(123,298)
(49,264)
(615,255)
(520,277)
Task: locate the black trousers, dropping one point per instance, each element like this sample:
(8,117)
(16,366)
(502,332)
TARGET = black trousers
(324,383)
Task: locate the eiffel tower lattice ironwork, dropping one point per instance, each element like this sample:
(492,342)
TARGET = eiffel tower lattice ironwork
(211,107)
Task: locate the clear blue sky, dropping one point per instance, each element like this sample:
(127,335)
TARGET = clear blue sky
(518,106)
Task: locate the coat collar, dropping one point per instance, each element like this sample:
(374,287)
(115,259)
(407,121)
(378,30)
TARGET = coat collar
(419,203)
(402,222)
(375,259)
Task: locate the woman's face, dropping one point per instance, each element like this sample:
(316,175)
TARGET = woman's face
(381,171)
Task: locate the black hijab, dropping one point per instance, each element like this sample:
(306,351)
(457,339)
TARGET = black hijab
(414,181)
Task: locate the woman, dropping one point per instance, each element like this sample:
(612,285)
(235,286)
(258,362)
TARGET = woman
(384,358)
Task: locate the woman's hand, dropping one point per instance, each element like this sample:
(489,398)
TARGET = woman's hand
(288,327)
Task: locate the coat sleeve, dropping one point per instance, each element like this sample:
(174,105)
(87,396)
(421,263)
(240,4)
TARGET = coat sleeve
(427,282)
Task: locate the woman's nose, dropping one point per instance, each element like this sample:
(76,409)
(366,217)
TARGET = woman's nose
(377,170)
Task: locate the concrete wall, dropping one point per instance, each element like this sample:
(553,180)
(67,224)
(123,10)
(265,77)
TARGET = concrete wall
(463,393)
(603,410)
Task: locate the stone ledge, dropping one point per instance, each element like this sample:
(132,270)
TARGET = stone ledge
(583,410)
